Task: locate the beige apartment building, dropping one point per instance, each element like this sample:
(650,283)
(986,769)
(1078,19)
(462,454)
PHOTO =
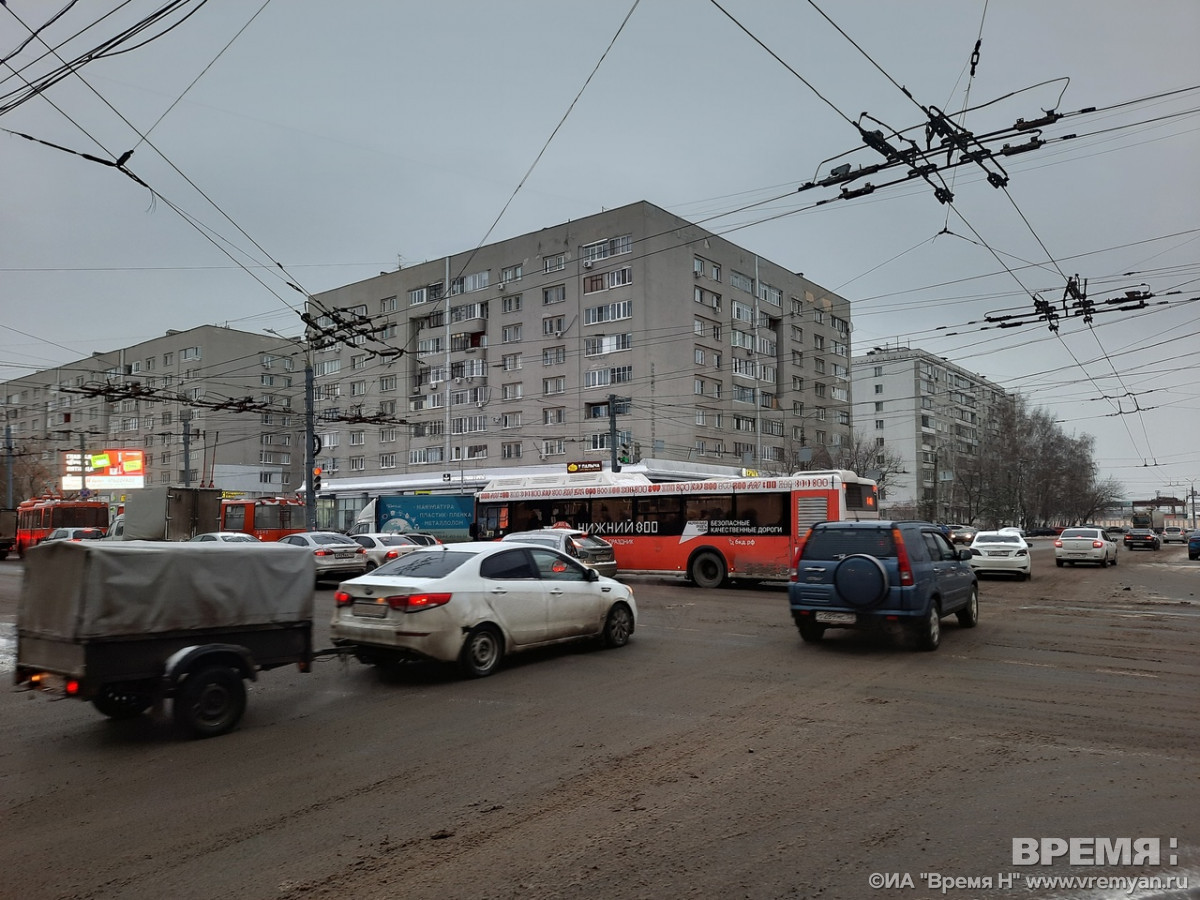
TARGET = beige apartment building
(205,405)
(710,358)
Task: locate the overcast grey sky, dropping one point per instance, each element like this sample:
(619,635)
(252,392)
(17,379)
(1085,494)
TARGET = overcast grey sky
(340,140)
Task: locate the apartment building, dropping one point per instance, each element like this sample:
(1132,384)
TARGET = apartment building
(937,417)
(205,405)
(514,354)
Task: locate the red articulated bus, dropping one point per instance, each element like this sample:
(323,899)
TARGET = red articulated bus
(267,518)
(706,531)
(38,517)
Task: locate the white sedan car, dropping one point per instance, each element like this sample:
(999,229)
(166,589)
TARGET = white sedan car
(334,553)
(383,548)
(472,604)
(1088,545)
(1001,551)
(224,537)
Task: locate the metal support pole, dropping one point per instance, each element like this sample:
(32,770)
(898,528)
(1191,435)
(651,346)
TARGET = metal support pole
(310,437)
(187,452)
(82,464)
(612,432)
(8,476)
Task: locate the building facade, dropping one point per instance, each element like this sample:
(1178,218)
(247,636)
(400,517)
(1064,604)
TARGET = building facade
(206,405)
(936,417)
(516,353)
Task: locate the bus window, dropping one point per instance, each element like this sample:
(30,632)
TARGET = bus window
(234,517)
(609,513)
(267,517)
(764,513)
(708,507)
(659,515)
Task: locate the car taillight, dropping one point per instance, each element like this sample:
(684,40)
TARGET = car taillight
(795,573)
(902,563)
(1098,544)
(392,554)
(341,598)
(975,552)
(1058,543)
(322,552)
(416,602)
(1022,552)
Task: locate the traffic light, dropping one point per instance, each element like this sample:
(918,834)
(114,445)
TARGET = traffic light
(624,456)
(316,479)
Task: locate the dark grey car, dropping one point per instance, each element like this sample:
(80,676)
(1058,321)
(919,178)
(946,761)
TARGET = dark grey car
(860,574)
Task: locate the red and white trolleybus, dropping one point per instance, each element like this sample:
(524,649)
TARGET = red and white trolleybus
(706,531)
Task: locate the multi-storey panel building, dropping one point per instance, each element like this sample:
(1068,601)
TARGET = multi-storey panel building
(937,417)
(209,404)
(516,353)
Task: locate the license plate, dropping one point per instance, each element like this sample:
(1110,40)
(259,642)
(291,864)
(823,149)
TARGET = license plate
(369,610)
(836,618)
(997,553)
(343,556)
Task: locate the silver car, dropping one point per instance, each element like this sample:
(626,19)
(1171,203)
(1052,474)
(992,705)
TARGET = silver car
(593,552)
(472,604)
(382,548)
(1084,545)
(334,553)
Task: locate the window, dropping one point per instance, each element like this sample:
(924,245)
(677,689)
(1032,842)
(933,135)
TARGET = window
(510,450)
(606,248)
(510,361)
(387,461)
(511,273)
(552,326)
(610,312)
(554,356)
(602,377)
(554,385)
(358,464)
(511,334)
(511,391)
(387,435)
(189,353)
(388,305)
(620,277)
(699,356)
(555,263)
(593,283)
(359,388)
(601,344)
(879,424)
(556,447)
(510,420)
(878,406)
(358,438)
(879,388)
(358,362)
(556,415)
(741,282)
(387,382)
(698,387)
(554,294)
(512,303)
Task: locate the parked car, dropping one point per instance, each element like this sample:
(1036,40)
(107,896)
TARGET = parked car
(1044,532)
(1194,544)
(1085,545)
(962,534)
(862,574)
(224,537)
(593,552)
(383,548)
(74,534)
(1144,538)
(1173,534)
(473,604)
(1012,529)
(417,537)
(334,553)
(1116,532)
(994,552)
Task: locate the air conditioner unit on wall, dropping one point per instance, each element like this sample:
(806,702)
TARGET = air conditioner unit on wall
(587,263)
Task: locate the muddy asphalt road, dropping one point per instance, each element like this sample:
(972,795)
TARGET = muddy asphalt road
(716,756)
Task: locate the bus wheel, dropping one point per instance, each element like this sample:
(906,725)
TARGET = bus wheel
(708,570)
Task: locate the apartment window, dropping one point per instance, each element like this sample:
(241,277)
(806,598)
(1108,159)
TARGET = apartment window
(510,361)
(189,353)
(511,273)
(554,447)
(603,377)
(699,356)
(601,344)
(554,294)
(358,362)
(879,388)
(510,420)
(593,283)
(879,424)
(698,387)
(606,248)
(700,414)
(511,333)
(168,359)
(620,277)
(556,415)
(359,388)
(609,312)
(554,385)
(878,406)
(510,450)
(387,382)
(511,391)
(358,464)
(358,438)
(512,303)
(554,356)
(387,435)
(878,371)
(555,263)
(741,282)
(387,461)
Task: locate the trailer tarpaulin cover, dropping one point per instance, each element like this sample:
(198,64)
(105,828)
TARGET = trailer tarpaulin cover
(96,589)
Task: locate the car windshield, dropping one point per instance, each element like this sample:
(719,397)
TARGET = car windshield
(1090,533)
(587,542)
(396,540)
(424,564)
(994,537)
(834,543)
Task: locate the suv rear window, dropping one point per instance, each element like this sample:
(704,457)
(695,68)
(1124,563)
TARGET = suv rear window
(835,543)
(1080,533)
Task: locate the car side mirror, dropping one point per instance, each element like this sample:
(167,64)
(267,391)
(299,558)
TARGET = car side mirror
(592,575)
(964,555)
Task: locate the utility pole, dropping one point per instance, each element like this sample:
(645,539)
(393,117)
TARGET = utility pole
(8,476)
(310,438)
(612,432)
(187,451)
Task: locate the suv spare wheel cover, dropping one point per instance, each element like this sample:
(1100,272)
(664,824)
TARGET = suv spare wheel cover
(861,580)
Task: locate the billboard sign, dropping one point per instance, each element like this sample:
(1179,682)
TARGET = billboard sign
(105,470)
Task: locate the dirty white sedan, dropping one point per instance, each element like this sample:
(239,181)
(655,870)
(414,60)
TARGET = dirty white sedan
(473,604)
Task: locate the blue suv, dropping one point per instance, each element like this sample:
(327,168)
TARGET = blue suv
(863,574)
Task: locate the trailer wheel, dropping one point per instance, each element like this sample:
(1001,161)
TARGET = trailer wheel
(120,701)
(210,702)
